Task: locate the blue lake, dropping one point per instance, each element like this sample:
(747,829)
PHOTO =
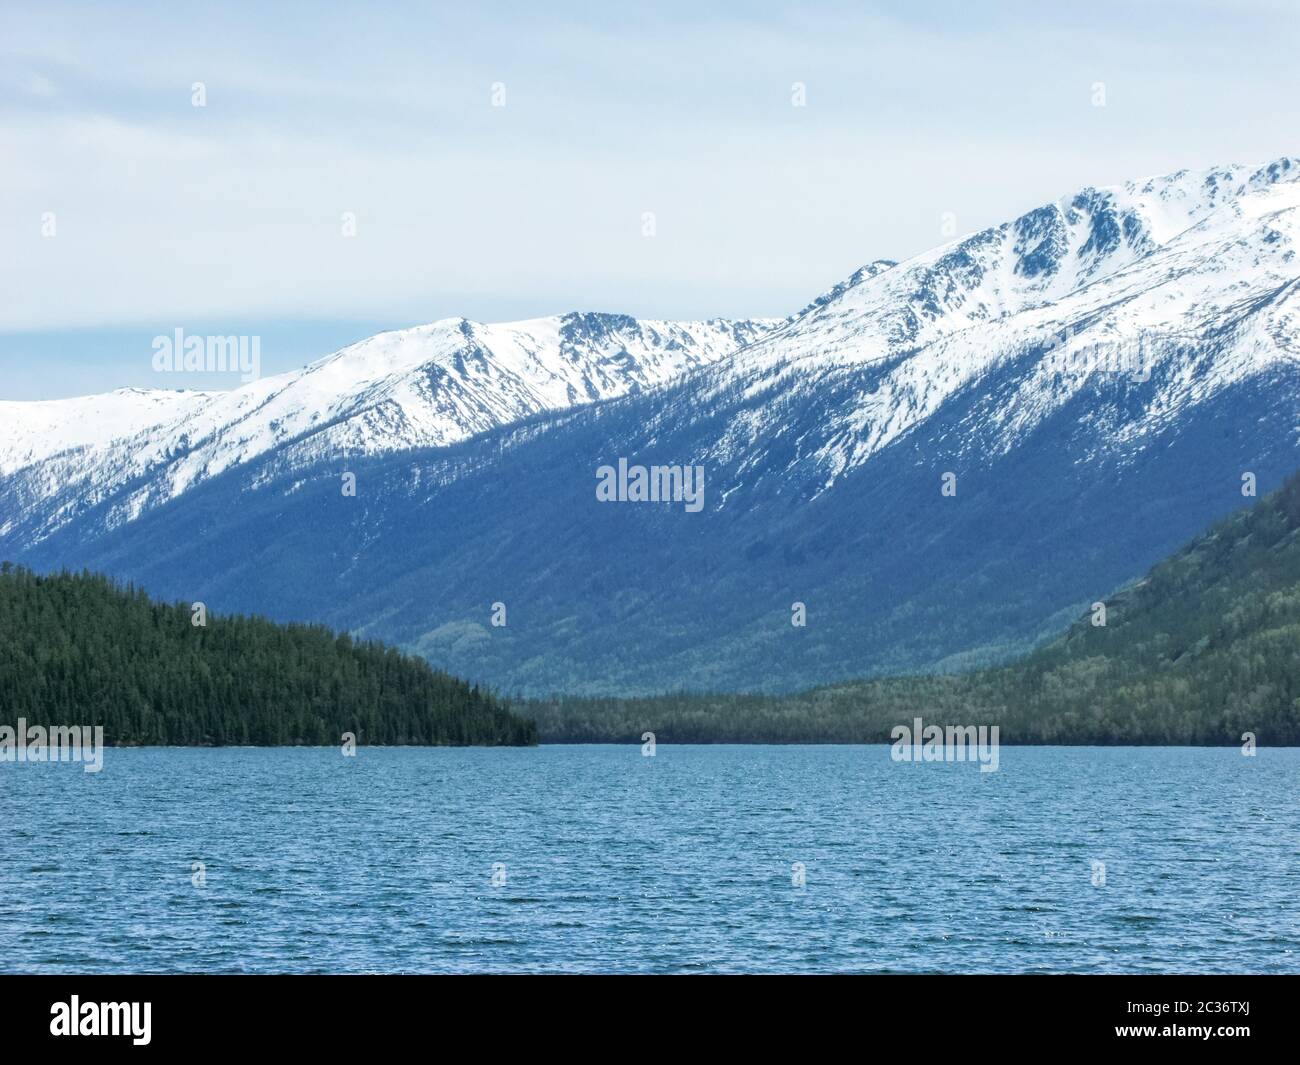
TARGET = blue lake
(615,862)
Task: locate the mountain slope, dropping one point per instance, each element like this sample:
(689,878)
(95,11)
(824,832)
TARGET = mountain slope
(32,431)
(1202,650)
(1097,376)
(427,386)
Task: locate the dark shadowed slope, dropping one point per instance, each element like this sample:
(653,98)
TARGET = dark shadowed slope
(1202,650)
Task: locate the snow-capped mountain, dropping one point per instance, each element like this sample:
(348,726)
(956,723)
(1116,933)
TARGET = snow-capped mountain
(1128,280)
(423,387)
(1101,377)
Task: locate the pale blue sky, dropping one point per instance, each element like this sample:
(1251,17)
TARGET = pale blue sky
(226,218)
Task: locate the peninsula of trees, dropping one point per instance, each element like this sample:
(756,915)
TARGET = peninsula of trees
(80,649)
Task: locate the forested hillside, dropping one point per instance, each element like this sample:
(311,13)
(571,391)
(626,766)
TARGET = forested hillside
(1205,648)
(82,650)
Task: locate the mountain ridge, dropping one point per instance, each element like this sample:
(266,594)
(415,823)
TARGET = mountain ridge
(1096,376)
(425,386)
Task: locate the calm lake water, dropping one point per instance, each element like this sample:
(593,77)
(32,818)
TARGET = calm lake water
(678,863)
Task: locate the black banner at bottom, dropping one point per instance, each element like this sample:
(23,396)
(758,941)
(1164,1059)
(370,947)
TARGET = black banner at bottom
(334,1013)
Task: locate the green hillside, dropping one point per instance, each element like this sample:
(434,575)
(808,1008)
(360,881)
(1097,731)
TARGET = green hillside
(1205,648)
(81,650)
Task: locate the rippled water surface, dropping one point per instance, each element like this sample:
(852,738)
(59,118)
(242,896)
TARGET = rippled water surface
(681,862)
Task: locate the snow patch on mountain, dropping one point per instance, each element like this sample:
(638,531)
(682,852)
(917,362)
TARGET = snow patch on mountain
(34,430)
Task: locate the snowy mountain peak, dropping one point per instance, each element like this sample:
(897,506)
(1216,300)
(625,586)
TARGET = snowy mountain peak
(1042,259)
